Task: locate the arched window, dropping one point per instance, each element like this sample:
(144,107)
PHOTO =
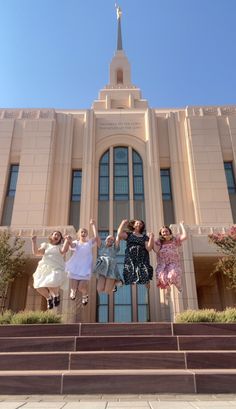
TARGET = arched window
(104,177)
(121,196)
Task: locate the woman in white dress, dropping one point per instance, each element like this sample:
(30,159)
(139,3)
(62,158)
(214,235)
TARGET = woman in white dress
(80,265)
(50,274)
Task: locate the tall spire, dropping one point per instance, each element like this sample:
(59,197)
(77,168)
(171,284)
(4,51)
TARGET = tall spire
(119,36)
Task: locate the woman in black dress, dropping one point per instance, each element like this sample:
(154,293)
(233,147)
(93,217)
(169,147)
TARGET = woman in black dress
(137,268)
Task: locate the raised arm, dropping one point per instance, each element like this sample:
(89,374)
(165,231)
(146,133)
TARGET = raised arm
(67,243)
(35,250)
(156,246)
(149,244)
(121,234)
(183,235)
(96,237)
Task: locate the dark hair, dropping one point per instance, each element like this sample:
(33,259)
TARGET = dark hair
(50,237)
(131,225)
(161,238)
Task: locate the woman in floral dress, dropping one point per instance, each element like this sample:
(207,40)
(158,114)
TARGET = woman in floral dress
(168,268)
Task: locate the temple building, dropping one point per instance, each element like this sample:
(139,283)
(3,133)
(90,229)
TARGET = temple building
(121,159)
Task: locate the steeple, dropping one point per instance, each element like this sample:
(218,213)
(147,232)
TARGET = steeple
(120,93)
(119,67)
(119,35)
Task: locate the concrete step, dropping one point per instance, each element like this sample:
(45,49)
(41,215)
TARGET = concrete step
(37,344)
(117,360)
(90,329)
(118,381)
(204,328)
(117,343)
(99,329)
(156,343)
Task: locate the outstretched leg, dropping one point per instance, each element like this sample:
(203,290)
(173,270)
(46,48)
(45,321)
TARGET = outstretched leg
(174,276)
(54,291)
(109,285)
(83,289)
(101,284)
(46,294)
(74,286)
(162,280)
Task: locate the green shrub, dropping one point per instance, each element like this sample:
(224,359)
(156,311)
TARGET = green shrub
(207,315)
(6,317)
(30,317)
(228,315)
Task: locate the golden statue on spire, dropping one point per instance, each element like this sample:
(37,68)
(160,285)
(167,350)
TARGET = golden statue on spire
(118,11)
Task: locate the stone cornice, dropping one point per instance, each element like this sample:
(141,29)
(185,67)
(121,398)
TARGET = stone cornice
(27,114)
(224,110)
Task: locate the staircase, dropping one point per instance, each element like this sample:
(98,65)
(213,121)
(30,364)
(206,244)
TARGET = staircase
(118,358)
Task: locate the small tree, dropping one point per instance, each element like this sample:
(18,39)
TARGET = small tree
(226,244)
(12,262)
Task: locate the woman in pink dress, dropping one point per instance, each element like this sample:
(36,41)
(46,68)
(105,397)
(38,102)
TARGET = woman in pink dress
(168,268)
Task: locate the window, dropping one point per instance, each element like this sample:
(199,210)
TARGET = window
(74,214)
(165,184)
(137,176)
(121,174)
(76,185)
(128,303)
(102,299)
(10,195)
(119,76)
(168,207)
(104,177)
(229,173)
(230,179)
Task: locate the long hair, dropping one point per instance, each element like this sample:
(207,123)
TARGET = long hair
(50,237)
(131,225)
(161,238)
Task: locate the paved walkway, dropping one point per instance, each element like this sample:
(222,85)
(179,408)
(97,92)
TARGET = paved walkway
(118,401)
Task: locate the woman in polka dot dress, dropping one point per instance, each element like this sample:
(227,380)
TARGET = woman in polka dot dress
(137,268)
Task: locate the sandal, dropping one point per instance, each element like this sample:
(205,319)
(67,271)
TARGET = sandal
(49,303)
(84,299)
(72,294)
(56,300)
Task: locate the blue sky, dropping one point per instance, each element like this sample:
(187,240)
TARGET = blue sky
(56,53)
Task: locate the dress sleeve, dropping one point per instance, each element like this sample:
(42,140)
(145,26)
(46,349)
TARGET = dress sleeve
(92,242)
(178,240)
(101,249)
(43,246)
(74,248)
(146,238)
(128,236)
(117,248)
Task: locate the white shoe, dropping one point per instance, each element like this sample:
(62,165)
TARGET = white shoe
(84,299)
(72,294)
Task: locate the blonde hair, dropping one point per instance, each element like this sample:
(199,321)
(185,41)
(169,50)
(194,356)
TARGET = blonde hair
(80,230)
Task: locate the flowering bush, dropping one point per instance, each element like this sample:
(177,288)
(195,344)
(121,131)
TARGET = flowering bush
(12,262)
(226,244)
